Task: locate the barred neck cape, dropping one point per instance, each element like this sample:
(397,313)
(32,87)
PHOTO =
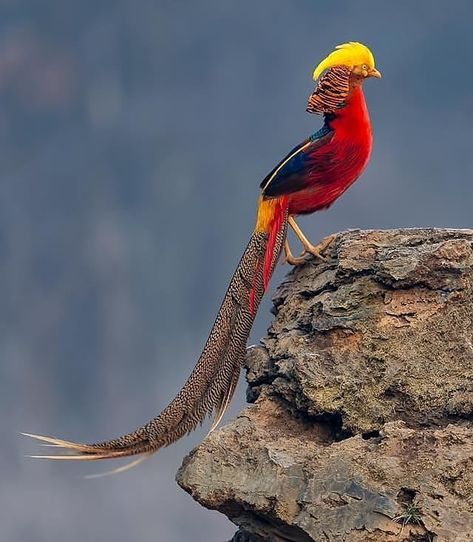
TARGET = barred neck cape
(332,91)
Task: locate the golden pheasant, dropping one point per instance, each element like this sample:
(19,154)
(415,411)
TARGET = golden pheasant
(311,177)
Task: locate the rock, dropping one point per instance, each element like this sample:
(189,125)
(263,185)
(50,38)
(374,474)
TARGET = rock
(362,428)
(244,536)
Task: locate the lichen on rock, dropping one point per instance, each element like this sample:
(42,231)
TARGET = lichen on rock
(362,427)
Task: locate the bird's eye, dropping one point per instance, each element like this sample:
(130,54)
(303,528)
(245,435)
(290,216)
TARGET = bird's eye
(364,67)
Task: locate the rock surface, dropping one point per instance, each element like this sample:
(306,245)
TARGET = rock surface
(362,428)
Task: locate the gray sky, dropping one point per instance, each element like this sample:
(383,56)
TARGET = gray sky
(133,137)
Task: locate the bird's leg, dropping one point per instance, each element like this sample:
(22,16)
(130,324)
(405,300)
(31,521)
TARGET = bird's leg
(309,248)
(290,258)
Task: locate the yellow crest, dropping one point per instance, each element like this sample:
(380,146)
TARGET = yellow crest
(348,54)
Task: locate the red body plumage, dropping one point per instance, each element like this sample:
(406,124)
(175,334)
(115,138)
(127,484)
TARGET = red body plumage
(329,168)
(340,161)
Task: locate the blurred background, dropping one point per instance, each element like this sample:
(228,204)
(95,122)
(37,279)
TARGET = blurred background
(133,137)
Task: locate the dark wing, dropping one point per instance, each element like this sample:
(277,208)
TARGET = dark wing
(291,174)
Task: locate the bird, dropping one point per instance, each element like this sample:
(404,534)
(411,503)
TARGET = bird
(311,177)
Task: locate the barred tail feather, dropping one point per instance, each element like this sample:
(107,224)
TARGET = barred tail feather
(210,387)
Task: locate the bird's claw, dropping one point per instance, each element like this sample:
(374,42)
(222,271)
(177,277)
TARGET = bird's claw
(316,250)
(309,249)
(294,260)
(301,260)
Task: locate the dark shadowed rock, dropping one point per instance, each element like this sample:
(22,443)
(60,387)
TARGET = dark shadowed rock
(362,428)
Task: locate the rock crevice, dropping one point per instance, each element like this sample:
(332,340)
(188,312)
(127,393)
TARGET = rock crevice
(363,389)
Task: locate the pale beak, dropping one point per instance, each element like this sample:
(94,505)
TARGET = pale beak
(375,73)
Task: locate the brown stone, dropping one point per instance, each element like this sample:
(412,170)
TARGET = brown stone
(362,428)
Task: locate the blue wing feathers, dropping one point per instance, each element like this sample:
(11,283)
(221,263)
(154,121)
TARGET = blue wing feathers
(289,175)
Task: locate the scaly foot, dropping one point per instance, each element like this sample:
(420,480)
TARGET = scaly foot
(289,256)
(316,250)
(309,248)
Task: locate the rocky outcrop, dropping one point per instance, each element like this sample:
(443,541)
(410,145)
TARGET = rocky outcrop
(362,425)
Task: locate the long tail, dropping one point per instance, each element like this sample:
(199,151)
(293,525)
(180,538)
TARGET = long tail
(210,387)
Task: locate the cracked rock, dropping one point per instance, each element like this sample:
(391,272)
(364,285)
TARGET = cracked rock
(362,428)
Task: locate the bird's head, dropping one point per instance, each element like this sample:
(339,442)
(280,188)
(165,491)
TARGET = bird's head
(353,55)
(338,75)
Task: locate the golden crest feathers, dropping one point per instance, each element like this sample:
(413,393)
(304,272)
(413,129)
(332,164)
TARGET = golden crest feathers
(348,54)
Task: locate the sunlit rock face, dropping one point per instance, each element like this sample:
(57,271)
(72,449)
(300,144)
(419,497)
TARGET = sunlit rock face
(363,390)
